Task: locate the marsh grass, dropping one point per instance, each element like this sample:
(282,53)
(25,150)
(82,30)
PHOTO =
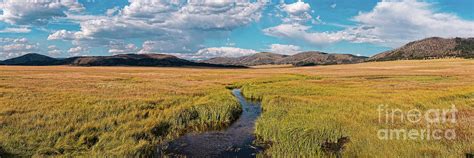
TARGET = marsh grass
(301,115)
(104,112)
(99,111)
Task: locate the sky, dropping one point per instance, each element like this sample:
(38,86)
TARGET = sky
(200,29)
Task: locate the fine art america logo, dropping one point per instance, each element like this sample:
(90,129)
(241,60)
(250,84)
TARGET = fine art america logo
(430,124)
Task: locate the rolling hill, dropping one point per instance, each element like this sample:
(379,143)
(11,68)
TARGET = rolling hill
(300,59)
(429,48)
(263,58)
(321,58)
(131,60)
(162,60)
(32,59)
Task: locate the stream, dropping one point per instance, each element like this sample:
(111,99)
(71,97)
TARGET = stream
(235,141)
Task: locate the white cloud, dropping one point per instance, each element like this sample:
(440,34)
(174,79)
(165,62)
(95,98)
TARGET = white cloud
(333,5)
(387,24)
(13,40)
(147,47)
(296,28)
(302,32)
(76,51)
(223,52)
(65,35)
(15,30)
(14,47)
(62,34)
(398,22)
(40,12)
(206,53)
(284,49)
(166,46)
(122,48)
(19,48)
(174,26)
(296,8)
(297,12)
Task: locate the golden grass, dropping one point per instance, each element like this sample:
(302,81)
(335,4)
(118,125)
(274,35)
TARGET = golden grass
(127,111)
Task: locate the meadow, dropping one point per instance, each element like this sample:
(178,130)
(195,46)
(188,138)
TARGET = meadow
(128,111)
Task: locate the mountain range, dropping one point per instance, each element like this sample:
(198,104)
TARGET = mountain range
(428,48)
(301,59)
(162,60)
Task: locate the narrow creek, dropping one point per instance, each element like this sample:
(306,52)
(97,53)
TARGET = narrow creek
(235,141)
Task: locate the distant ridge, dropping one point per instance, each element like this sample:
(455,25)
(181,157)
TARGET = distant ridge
(429,48)
(130,60)
(263,58)
(321,58)
(434,47)
(161,60)
(300,59)
(32,59)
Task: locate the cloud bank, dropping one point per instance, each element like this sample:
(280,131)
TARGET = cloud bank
(387,24)
(40,12)
(167,26)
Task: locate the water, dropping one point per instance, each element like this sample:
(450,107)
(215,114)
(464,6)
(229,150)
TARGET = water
(235,141)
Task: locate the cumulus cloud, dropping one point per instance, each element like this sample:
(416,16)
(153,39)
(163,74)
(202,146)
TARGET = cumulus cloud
(62,34)
(14,47)
(76,51)
(296,8)
(303,33)
(296,28)
(298,32)
(297,12)
(122,48)
(167,26)
(15,30)
(284,49)
(388,24)
(27,12)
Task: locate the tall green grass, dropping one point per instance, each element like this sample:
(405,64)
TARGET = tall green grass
(108,115)
(301,114)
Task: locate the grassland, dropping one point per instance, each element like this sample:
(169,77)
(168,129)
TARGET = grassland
(127,111)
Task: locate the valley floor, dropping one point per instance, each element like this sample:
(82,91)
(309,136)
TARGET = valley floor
(128,111)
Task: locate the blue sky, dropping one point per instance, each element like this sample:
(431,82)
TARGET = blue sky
(198,29)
